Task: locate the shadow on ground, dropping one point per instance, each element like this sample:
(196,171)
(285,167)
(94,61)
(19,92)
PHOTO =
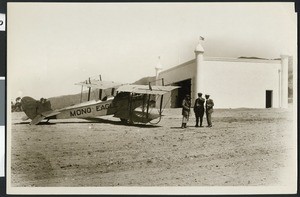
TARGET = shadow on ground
(100,120)
(95,120)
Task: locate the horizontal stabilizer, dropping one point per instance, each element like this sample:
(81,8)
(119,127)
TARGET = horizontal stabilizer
(145,89)
(42,116)
(99,84)
(24,118)
(37,119)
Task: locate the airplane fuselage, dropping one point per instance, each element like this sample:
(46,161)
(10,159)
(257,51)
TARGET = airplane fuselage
(122,106)
(88,109)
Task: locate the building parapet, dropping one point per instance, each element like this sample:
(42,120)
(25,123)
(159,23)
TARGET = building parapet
(228,59)
(225,59)
(178,66)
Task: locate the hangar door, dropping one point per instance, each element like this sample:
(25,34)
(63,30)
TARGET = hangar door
(178,95)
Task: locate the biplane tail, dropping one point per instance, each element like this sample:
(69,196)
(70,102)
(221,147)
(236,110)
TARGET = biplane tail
(37,110)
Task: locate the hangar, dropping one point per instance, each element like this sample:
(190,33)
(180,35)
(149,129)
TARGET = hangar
(231,82)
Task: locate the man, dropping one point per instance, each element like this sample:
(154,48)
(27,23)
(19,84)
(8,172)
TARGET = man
(186,106)
(199,109)
(209,109)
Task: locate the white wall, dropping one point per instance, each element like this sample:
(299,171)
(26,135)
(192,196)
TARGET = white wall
(235,84)
(231,82)
(178,73)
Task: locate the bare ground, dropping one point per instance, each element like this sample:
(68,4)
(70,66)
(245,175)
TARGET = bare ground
(244,147)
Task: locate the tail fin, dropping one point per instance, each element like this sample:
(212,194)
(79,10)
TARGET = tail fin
(32,107)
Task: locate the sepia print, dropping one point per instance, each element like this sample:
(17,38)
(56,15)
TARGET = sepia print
(151,98)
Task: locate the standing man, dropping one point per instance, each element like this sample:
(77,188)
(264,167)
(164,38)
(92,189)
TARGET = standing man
(186,106)
(209,109)
(199,109)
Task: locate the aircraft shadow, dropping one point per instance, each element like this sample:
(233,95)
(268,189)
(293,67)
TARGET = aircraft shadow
(181,128)
(41,123)
(100,120)
(21,123)
(95,120)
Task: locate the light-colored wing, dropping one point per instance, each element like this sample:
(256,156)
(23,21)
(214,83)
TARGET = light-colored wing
(145,89)
(99,84)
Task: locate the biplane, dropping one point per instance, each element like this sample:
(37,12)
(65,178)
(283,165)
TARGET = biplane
(131,103)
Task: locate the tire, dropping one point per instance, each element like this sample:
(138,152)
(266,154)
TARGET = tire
(124,121)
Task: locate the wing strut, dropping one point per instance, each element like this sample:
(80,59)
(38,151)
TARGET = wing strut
(89,95)
(161,98)
(150,86)
(130,107)
(112,91)
(148,103)
(81,94)
(143,107)
(100,90)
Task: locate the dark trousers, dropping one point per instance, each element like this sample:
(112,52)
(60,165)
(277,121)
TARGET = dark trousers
(208,118)
(199,115)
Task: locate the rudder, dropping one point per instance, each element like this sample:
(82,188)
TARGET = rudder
(32,107)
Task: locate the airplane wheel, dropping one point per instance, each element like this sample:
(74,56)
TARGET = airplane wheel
(124,121)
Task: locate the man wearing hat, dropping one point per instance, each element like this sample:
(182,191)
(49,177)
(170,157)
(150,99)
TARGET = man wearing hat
(209,109)
(199,109)
(186,106)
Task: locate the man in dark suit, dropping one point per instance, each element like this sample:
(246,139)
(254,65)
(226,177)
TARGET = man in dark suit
(209,109)
(199,109)
(186,106)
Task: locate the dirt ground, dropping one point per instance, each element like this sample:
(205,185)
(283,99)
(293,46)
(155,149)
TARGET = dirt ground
(244,147)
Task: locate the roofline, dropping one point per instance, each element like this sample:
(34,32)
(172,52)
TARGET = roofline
(229,59)
(178,66)
(225,59)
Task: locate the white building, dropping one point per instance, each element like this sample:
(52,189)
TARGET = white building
(231,82)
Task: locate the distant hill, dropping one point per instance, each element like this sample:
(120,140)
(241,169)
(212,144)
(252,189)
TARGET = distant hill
(66,100)
(69,100)
(244,57)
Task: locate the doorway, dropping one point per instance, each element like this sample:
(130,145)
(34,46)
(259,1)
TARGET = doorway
(178,96)
(269,95)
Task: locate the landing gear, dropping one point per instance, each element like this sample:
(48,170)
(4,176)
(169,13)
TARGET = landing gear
(124,121)
(130,122)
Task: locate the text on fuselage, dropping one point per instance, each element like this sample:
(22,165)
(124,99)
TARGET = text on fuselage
(88,110)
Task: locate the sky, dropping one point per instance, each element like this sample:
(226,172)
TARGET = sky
(52,46)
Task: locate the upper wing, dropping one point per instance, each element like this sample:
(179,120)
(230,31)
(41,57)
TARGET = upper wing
(145,89)
(99,84)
